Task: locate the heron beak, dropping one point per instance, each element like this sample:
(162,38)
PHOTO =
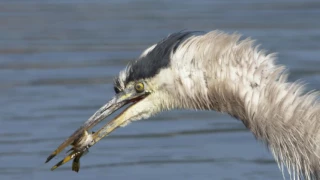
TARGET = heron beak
(82,140)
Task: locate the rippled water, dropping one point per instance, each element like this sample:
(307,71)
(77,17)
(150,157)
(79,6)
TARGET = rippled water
(58,59)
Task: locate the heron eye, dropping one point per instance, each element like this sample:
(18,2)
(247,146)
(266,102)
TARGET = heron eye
(139,86)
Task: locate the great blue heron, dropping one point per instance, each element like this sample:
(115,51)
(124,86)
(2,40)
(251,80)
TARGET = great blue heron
(214,71)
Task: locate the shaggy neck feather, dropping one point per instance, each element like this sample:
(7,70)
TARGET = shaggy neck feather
(246,84)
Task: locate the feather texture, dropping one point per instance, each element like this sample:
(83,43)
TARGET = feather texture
(218,71)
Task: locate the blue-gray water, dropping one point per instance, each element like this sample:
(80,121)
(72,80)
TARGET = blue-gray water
(58,60)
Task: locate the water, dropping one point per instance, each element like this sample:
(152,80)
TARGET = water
(58,59)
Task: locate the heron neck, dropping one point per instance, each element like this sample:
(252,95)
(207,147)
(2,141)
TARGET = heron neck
(281,116)
(220,72)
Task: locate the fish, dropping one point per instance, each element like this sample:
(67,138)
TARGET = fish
(80,147)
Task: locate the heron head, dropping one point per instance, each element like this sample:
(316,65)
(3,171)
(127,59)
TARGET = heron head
(146,85)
